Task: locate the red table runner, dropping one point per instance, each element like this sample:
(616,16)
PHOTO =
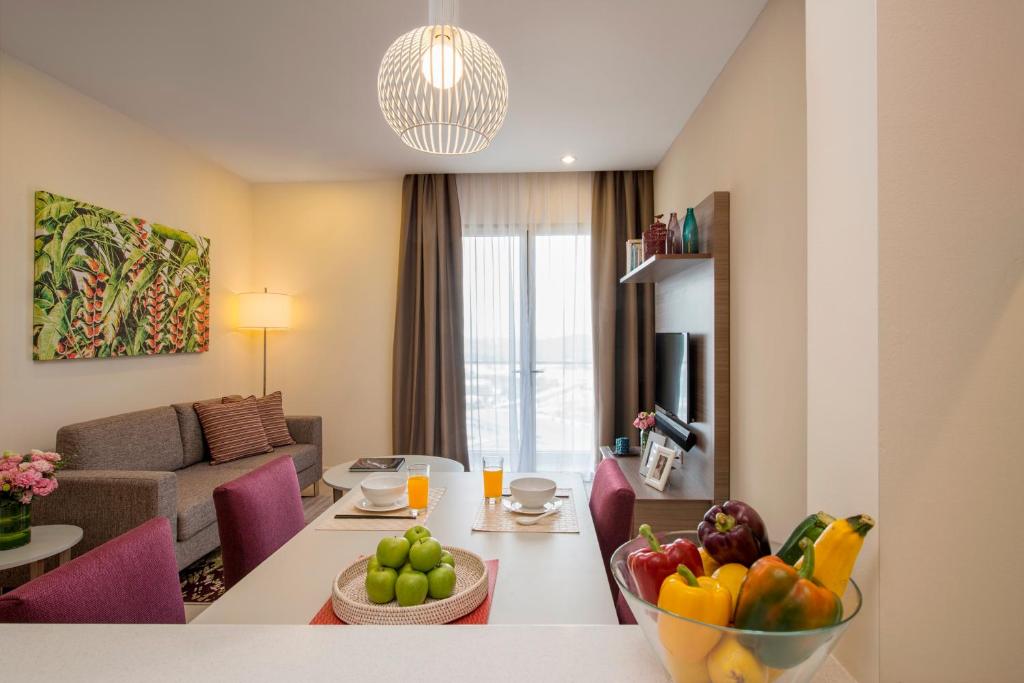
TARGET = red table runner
(480,615)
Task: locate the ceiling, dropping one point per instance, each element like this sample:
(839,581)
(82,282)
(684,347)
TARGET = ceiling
(285,90)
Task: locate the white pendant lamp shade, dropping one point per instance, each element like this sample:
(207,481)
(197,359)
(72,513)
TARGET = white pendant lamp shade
(443,89)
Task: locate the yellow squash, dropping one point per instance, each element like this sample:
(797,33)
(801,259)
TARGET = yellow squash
(836,550)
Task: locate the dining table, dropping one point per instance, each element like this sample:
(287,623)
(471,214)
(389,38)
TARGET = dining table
(543,578)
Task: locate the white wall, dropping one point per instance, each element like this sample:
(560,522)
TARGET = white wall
(334,247)
(951,333)
(842,291)
(53,138)
(748,136)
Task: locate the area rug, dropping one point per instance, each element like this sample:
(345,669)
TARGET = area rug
(203,580)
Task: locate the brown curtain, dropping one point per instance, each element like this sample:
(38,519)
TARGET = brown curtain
(623,314)
(428,382)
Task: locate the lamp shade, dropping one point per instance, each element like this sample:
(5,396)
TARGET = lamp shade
(261,310)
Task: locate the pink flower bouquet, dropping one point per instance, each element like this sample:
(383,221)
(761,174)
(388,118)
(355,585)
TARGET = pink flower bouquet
(24,477)
(644,421)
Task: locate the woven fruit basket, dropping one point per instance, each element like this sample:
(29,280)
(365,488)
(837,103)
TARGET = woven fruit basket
(353,606)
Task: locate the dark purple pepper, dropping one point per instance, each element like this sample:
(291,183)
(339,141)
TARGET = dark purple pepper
(734,532)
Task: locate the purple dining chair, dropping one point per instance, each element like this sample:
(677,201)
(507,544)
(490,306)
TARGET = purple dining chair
(257,514)
(130,579)
(611,506)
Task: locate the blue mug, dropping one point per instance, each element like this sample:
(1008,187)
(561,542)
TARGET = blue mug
(622,445)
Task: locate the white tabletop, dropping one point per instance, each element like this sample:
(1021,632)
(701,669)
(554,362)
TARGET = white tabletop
(47,541)
(339,476)
(514,654)
(542,578)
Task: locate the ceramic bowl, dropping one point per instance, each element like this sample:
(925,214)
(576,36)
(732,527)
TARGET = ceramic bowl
(532,492)
(383,489)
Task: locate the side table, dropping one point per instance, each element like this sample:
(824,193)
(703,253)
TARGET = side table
(47,541)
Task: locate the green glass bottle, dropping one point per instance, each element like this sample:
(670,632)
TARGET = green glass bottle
(691,237)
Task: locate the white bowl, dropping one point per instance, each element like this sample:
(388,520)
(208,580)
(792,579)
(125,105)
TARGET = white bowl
(532,492)
(383,489)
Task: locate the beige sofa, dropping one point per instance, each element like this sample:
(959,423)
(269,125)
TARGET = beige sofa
(125,469)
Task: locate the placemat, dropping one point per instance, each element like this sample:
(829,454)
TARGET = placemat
(400,523)
(480,615)
(497,518)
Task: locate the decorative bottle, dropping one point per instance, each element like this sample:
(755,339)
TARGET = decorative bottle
(691,237)
(655,238)
(675,235)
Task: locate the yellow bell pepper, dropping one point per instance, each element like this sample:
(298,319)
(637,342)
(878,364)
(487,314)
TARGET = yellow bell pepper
(700,599)
(731,576)
(730,662)
(709,562)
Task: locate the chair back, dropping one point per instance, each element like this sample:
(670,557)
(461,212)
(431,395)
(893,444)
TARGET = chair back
(257,514)
(130,579)
(611,506)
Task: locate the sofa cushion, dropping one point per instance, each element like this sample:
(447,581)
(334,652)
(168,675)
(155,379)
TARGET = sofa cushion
(271,409)
(233,430)
(304,455)
(193,443)
(142,440)
(195,496)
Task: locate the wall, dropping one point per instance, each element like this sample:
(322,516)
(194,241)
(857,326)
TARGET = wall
(334,247)
(53,138)
(842,291)
(748,136)
(951,334)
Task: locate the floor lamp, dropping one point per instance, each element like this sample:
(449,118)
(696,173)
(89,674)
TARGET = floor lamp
(264,311)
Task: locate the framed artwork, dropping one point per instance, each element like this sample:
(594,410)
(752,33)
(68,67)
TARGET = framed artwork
(661,467)
(646,459)
(108,285)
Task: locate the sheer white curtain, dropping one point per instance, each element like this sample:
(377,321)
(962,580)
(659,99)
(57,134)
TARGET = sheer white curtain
(527,312)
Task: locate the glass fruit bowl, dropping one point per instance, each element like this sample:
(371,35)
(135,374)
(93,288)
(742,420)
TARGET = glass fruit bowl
(695,652)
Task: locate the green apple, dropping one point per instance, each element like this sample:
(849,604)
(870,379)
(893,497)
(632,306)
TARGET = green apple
(425,554)
(415,533)
(393,551)
(380,584)
(406,568)
(441,580)
(372,563)
(446,558)
(411,588)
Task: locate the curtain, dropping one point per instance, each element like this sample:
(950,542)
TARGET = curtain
(623,314)
(428,382)
(527,333)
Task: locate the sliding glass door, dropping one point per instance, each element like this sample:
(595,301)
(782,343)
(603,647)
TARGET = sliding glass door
(528,348)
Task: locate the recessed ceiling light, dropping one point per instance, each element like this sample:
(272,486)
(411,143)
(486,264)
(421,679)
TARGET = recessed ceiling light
(568,159)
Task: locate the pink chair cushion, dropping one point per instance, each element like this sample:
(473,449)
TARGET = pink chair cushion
(131,579)
(611,506)
(257,514)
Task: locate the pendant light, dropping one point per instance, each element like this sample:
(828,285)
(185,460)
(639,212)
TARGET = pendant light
(441,88)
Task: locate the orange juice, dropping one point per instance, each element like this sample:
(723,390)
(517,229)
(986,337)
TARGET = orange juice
(492,483)
(419,487)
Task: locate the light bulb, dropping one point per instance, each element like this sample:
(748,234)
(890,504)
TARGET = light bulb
(442,64)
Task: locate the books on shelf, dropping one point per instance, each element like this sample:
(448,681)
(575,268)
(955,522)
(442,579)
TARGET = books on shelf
(377,465)
(634,254)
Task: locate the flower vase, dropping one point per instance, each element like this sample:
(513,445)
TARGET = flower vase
(644,433)
(15,524)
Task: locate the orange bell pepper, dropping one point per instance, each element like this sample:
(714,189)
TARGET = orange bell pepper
(700,599)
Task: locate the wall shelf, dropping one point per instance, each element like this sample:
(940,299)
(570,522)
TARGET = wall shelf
(661,266)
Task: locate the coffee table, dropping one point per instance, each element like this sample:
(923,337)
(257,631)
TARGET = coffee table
(47,541)
(342,480)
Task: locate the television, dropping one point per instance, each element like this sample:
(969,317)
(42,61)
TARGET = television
(672,375)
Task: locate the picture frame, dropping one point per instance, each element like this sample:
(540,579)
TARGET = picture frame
(653,440)
(661,467)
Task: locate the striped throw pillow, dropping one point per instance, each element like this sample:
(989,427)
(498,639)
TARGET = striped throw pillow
(271,409)
(233,430)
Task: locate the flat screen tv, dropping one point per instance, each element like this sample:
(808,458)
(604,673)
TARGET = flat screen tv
(672,375)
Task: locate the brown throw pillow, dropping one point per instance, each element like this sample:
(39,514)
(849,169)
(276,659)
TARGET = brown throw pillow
(233,430)
(271,409)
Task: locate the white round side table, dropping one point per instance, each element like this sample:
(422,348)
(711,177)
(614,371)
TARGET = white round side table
(47,541)
(341,480)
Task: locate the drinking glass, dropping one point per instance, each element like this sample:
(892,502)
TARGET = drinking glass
(419,486)
(494,465)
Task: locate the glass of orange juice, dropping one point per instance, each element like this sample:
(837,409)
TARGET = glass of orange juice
(494,465)
(419,486)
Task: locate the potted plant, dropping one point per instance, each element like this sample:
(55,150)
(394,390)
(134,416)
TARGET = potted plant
(22,478)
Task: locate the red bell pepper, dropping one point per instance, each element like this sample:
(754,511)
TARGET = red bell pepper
(650,566)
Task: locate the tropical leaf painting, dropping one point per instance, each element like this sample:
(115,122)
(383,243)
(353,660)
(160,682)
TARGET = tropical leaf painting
(108,285)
